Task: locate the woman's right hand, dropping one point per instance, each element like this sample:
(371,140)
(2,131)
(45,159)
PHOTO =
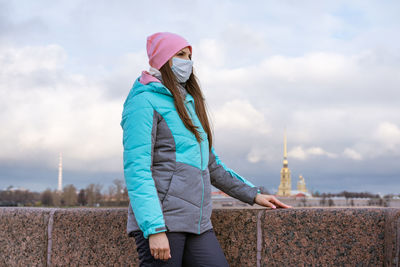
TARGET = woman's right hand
(159,246)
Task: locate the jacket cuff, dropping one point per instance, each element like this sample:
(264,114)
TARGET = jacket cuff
(154,230)
(252,195)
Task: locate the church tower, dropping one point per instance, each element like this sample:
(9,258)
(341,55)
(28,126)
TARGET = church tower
(301,185)
(285,187)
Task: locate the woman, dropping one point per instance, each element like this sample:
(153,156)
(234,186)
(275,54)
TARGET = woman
(170,163)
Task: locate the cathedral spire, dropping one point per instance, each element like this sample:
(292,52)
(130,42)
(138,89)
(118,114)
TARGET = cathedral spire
(285,187)
(285,162)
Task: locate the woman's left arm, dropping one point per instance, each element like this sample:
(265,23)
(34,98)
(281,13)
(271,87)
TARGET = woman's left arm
(230,182)
(237,186)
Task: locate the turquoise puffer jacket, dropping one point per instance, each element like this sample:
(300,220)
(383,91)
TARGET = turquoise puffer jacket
(167,172)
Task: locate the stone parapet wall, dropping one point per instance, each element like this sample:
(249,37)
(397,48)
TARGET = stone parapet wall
(249,237)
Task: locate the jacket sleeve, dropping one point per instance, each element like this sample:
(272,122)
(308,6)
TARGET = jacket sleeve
(137,124)
(229,181)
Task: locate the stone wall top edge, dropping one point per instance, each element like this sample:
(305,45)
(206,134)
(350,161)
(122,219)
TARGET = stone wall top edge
(63,210)
(108,209)
(313,208)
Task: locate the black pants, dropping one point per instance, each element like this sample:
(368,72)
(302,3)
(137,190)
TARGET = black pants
(187,250)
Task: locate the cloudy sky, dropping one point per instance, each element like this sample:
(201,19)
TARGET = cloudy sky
(326,71)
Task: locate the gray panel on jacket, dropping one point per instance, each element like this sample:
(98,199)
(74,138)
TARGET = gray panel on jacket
(223,180)
(164,158)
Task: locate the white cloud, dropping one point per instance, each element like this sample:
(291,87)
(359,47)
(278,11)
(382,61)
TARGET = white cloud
(49,110)
(263,153)
(240,115)
(210,51)
(328,99)
(388,135)
(254,157)
(29,59)
(352,154)
(299,152)
(316,67)
(320,152)
(381,141)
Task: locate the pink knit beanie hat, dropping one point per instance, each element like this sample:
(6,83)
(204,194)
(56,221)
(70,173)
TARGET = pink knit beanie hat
(162,46)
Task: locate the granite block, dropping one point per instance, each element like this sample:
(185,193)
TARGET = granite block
(323,237)
(23,236)
(392,237)
(92,237)
(236,231)
(249,237)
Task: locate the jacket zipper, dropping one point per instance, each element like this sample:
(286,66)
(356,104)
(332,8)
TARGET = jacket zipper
(202,181)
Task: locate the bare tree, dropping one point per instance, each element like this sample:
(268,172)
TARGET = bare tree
(19,197)
(119,187)
(125,196)
(56,198)
(69,195)
(47,197)
(111,193)
(98,195)
(93,194)
(82,201)
(90,194)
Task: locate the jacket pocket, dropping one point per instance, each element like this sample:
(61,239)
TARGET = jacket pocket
(169,187)
(187,185)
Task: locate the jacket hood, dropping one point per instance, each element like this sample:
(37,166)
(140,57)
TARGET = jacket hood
(153,87)
(156,87)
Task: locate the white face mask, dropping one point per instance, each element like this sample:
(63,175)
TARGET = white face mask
(182,68)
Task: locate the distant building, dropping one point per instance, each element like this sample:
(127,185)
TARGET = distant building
(13,189)
(285,187)
(301,184)
(218,194)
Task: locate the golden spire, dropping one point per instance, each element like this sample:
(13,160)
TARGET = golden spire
(285,162)
(285,187)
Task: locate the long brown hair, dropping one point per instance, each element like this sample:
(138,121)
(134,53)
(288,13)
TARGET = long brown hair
(193,88)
